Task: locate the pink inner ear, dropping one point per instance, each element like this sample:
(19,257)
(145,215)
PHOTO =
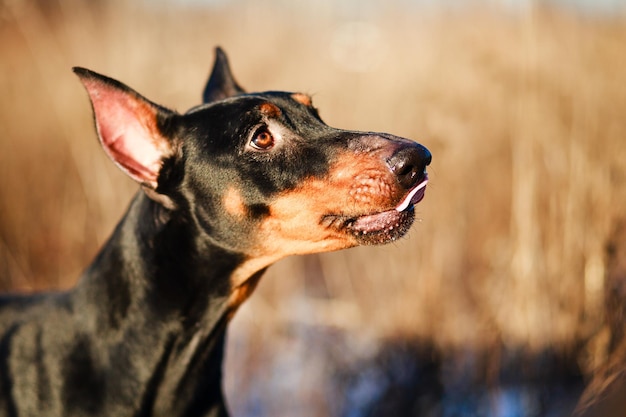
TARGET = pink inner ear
(127,126)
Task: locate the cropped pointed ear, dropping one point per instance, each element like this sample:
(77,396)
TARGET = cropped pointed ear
(129,127)
(221,82)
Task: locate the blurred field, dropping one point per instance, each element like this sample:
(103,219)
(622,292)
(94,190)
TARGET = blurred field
(525,114)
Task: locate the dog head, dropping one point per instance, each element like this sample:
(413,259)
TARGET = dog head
(261,174)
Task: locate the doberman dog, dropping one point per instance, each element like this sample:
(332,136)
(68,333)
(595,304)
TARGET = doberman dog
(228,188)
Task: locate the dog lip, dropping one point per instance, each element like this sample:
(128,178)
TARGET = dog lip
(375,225)
(381,228)
(372,223)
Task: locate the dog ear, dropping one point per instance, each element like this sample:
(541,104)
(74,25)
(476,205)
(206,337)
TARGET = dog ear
(221,82)
(128,127)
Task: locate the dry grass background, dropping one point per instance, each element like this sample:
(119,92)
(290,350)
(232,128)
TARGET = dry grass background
(524,112)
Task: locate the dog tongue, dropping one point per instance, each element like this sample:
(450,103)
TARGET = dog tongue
(414,196)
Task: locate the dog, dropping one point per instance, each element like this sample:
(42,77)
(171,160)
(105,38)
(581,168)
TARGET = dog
(227,189)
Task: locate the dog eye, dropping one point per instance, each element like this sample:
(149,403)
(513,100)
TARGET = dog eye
(262,139)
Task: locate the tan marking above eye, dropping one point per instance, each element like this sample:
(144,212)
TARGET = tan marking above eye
(302,99)
(270,110)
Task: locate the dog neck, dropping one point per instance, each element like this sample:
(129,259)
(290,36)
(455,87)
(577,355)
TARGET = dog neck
(165,289)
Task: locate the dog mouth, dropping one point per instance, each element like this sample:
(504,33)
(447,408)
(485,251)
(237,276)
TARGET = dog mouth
(385,226)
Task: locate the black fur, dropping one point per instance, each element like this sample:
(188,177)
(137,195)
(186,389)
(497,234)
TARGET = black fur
(142,333)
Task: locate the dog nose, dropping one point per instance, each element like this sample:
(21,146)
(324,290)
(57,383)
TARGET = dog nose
(409,165)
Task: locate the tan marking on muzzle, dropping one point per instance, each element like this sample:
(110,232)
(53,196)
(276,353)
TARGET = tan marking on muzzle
(357,184)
